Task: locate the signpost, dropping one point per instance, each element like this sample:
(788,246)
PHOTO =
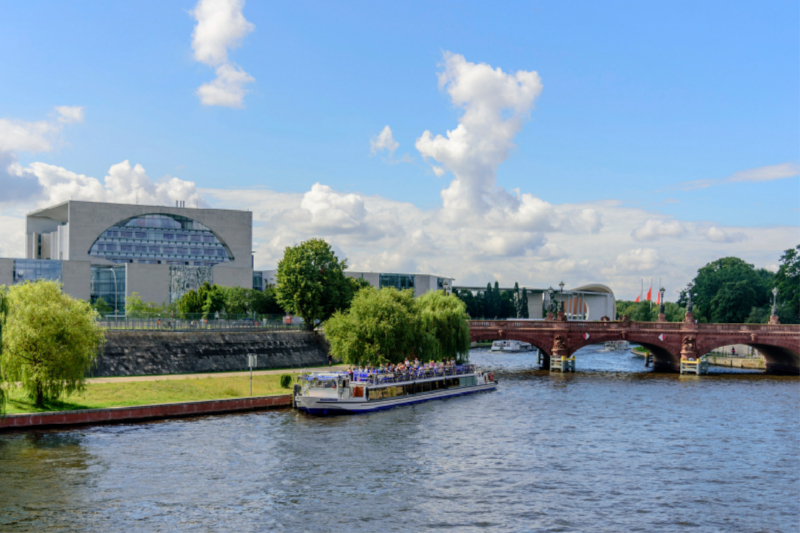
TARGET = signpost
(252,360)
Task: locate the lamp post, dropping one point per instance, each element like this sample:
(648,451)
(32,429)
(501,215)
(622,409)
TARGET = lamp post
(774,318)
(662,315)
(116,308)
(561,303)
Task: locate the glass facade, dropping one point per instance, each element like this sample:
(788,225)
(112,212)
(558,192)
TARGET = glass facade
(398,281)
(258,281)
(108,283)
(33,269)
(157,238)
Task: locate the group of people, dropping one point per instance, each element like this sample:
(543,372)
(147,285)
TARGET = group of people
(402,367)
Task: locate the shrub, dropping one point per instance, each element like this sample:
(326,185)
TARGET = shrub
(286,380)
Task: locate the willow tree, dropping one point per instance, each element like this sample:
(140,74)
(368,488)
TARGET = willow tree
(444,317)
(3,313)
(50,341)
(381,326)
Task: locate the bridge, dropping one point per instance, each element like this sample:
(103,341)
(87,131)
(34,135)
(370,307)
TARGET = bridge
(667,341)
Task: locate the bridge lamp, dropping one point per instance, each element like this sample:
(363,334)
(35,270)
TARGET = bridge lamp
(775,300)
(561,285)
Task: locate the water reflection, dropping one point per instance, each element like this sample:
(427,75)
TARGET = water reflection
(614,446)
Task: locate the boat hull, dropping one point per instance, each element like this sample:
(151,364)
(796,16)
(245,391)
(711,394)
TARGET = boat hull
(333,407)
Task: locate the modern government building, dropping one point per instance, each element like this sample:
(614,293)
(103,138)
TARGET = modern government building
(109,251)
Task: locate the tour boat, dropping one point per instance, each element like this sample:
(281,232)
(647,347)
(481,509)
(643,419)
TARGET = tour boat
(340,393)
(511,346)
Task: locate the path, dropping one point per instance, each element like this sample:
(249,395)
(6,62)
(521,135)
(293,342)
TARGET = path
(211,375)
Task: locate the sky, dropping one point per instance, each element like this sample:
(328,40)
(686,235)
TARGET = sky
(528,142)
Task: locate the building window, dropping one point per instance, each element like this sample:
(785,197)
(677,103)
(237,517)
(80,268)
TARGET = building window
(398,281)
(108,283)
(33,269)
(258,281)
(158,227)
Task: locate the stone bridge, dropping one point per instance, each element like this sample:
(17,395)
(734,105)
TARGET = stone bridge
(668,341)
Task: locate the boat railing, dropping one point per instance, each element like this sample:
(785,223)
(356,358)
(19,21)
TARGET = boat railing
(381,378)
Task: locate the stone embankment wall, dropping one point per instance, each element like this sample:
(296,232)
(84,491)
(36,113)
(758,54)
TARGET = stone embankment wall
(757,363)
(138,353)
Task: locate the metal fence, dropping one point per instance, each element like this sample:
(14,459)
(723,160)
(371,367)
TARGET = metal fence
(191,323)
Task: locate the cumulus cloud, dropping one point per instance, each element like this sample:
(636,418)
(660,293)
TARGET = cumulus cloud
(22,136)
(654,229)
(715,234)
(221,26)
(123,184)
(638,261)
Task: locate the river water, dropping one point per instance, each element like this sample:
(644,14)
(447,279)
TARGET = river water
(612,447)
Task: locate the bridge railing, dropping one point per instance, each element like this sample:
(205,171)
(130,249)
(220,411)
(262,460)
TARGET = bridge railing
(633,326)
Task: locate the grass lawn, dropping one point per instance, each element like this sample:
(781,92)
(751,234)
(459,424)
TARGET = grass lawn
(98,395)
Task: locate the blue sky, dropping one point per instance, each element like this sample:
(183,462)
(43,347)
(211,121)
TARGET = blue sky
(636,100)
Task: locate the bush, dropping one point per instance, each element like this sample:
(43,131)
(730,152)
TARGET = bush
(286,380)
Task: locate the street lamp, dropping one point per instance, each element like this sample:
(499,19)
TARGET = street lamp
(561,285)
(661,307)
(775,301)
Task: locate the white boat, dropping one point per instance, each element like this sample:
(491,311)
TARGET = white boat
(511,346)
(339,393)
(615,346)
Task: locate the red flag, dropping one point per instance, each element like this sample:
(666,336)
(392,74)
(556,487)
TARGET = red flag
(650,294)
(637,299)
(658,300)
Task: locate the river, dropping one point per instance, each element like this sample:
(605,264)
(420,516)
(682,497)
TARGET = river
(612,447)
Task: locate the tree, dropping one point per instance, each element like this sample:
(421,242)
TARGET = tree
(214,301)
(102,307)
(787,281)
(311,282)
(238,300)
(266,302)
(444,317)
(732,303)
(525,311)
(50,341)
(381,326)
(4,308)
(356,284)
(190,303)
(711,279)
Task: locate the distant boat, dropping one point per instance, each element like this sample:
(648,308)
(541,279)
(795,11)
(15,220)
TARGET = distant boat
(511,346)
(616,346)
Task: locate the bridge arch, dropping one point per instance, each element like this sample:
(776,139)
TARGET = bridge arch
(780,354)
(666,354)
(544,345)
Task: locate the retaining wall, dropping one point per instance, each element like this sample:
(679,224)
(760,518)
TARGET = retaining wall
(138,353)
(142,412)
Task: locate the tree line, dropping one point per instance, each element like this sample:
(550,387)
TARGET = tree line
(495,303)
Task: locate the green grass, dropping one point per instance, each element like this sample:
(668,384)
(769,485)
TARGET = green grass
(128,393)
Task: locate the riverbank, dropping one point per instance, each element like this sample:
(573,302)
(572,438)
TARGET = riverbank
(755,363)
(141,413)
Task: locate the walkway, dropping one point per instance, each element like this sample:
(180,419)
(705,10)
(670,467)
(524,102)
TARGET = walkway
(211,375)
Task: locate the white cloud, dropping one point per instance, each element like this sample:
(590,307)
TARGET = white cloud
(227,89)
(638,261)
(654,229)
(495,105)
(384,141)
(715,234)
(753,175)
(123,184)
(439,171)
(21,136)
(69,114)
(221,26)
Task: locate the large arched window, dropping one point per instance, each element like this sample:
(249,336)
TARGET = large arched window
(161,238)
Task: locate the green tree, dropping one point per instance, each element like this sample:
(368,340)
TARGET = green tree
(787,281)
(311,282)
(102,307)
(356,284)
(711,279)
(525,310)
(4,308)
(381,326)
(673,312)
(444,318)
(214,301)
(238,300)
(266,302)
(50,341)
(190,303)
(732,303)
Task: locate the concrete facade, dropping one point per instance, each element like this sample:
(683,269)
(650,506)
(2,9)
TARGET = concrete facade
(6,271)
(76,277)
(150,282)
(233,277)
(68,230)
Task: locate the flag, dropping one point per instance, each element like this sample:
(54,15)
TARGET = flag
(586,336)
(637,299)
(650,294)
(662,337)
(658,300)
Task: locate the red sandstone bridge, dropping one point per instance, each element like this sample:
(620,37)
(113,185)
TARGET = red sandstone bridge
(668,341)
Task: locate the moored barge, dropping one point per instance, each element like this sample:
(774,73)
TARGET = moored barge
(338,393)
